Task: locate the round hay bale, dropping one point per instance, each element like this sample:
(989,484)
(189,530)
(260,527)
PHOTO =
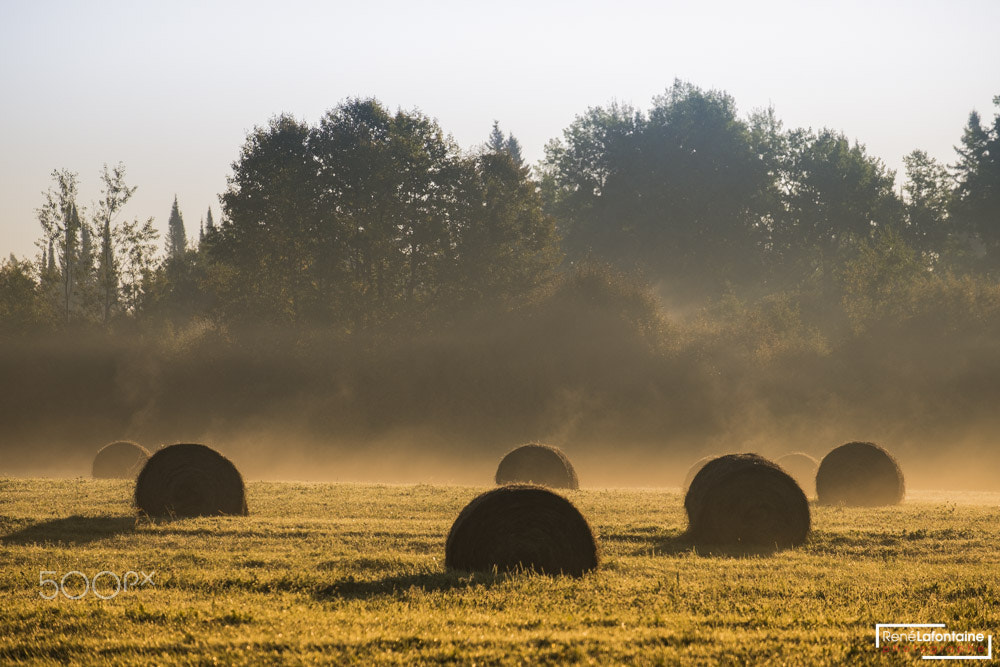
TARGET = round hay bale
(861,474)
(744,499)
(802,468)
(121,459)
(694,469)
(536,463)
(189,480)
(521,526)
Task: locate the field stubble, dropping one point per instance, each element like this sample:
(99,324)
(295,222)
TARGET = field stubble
(324,573)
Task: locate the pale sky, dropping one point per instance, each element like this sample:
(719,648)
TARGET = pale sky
(171,89)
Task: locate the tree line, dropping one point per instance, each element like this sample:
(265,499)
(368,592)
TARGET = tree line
(369,218)
(700,197)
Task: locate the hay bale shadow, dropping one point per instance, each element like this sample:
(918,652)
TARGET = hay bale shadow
(353,589)
(684,544)
(73,530)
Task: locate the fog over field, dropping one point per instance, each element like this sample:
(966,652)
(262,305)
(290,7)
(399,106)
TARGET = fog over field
(410,311)
(372,291)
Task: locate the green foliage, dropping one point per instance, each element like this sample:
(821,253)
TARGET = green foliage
(836,196)
(371,216)
(764,335)
(60,222)
(20,307)
(82,281)
(677,190)
(176,235)
(368,272)
(127,247)
(264,238)
(510,145)
(496,142)
(976,201)
(928,191)
(875,280)
(506,246)
(704,200)
(595,296)
(578,169)
(180,290)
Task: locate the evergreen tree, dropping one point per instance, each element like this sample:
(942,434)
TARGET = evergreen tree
(513,147)
(176,236)
(506,245)
(86,247)
(976,205)
(87,288)
(496,142)
(206,228)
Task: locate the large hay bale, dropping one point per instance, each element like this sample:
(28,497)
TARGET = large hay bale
(536,463)
(860,474)
(746,500)
(521,526)
(695,469)
(122,459)
(802,468)
(189,480)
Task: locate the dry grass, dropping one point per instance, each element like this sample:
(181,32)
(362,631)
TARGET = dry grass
(354,574)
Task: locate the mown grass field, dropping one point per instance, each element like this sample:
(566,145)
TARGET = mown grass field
(344,573)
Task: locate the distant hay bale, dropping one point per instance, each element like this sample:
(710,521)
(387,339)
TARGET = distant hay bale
(536,463)
(122,459)
(746,500)
(521,526)
(189,480)
(802,468)
(694,469)
(860,474)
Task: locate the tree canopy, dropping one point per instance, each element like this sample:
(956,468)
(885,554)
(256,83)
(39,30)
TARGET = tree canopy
(371,214)
(370,217)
